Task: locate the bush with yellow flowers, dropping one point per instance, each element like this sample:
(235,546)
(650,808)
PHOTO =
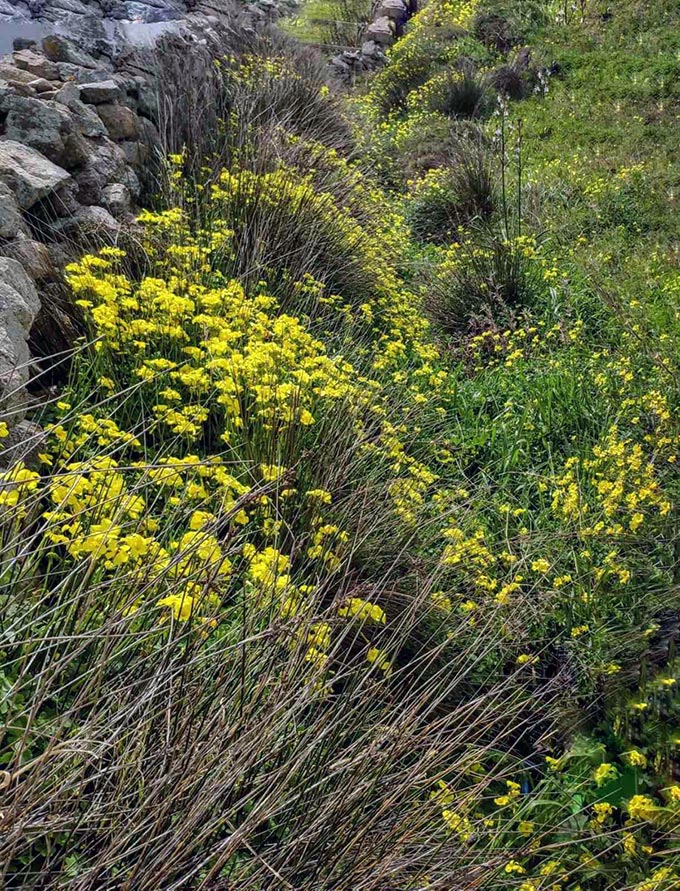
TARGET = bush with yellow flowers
(315,586)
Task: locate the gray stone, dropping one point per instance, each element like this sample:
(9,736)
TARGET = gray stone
(25,442)
(99,92)
(37,64)
(131,181)
(393,9)
(149,134)
(71,6)
(11,220)
(116,199)
(381,31)
(120,121)
(13,275)
(60,49)
(38,124)
(16,88)
(106,164)
(70,92)
(370,48)
(14,75)
(76,152)
(20,43)
(28,173)
(81,75)
(90,222)
(19,305)
(147,99)
(87,31)
(134,152)
(40,85)
(75,73)
(342,67)
(85,117)
(33,256)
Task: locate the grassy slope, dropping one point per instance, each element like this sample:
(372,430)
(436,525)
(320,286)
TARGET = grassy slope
(615,109)
(599,190)
(306,589)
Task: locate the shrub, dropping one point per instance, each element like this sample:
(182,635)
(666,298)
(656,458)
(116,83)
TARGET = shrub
(226,671)
(243,87)
(435,38)
(284,231)
(457,94)
(511,81)
(456,195)
(484,281)
(424,142)
(495,31)
(500,26)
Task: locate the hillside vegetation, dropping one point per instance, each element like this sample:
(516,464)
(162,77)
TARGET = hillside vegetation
(351,557)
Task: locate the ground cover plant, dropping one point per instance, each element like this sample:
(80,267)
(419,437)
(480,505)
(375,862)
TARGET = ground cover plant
(350,560)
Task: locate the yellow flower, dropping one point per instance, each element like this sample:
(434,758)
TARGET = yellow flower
(271,472)
(540,565)
(635,758)
(320,495)
(378,657)
(363,609)
(640,807)
(603,810)
(458,823)
(605,772)
(513,867)
(181,605)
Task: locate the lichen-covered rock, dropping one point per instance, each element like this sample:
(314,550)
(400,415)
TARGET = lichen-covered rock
(41,86)
(393,9)
(36,64)
(70,72)
(98,92)
(28,173)
(60,49)
(25,442)
(381,31)
(19,305)
(116,199)
(13,75)
(34,257)
(106,163)
(86,119)
(11,220)
(37,123)
(90,223)
(120,121)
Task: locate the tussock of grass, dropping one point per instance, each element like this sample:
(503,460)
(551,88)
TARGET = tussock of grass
(350,561)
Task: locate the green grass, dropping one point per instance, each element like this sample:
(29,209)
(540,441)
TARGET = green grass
(351,559)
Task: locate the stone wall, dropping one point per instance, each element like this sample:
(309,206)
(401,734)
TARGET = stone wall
(387,24)
(78,134)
